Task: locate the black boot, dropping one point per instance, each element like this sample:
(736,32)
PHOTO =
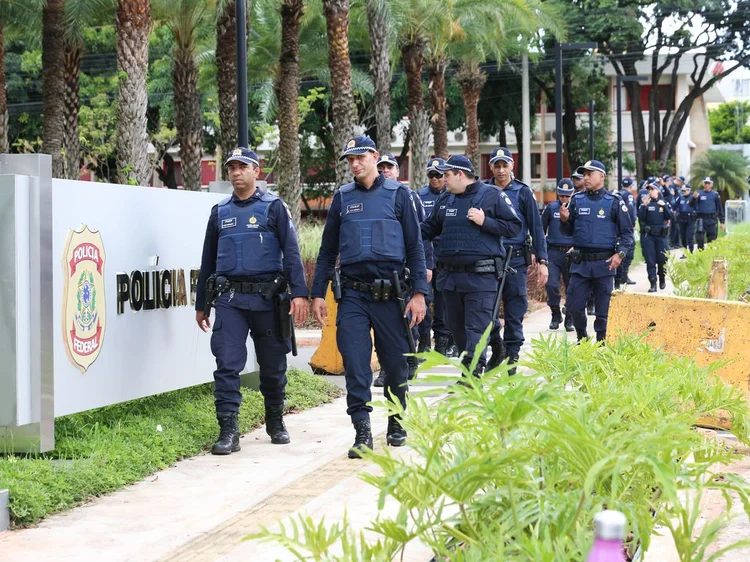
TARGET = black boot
(512,361)
(424,346)
(618,283)
(395,435)
(413,364)
(652,288)
(556,318)
(441,344)
(362,439)
(662,277)
(275,424)
(498,354)
(569,323)
(581,334)
(629,281)
(380,379)
(229,434)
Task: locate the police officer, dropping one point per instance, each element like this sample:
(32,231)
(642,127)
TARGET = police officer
(674,228)
(602,234)
(434,321)
(471,218)
(686,217)
(578,187)
(653,217)
(621,277)
(577,181)
(558,246)
(515,293)
(372,226)
(643,191)
(252,249)
(708,209)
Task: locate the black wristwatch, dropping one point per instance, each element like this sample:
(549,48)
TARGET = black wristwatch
(542,261)
(621,254)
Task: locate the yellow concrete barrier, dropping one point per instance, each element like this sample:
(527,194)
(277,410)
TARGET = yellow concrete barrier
(327,358)
(706,330)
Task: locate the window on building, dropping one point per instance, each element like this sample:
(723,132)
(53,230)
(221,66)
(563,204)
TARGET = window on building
(664,95)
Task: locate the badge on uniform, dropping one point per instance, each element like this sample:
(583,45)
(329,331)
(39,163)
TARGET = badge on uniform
(252,222)
(229,223)
(354,208)
(584,211)
(556,215)
(451,212)
(428,204)
(624,208)
(601,212)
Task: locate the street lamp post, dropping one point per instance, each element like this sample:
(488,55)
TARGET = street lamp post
(620,80)
(558,97)
(240,12)
(591,129)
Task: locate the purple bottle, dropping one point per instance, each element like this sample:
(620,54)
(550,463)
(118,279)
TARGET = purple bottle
(609,529)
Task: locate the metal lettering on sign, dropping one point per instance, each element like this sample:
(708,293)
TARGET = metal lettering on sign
(84,304)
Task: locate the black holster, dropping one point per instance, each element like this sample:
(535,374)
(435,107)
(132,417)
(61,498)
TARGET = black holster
(210,294)
(282,304)
(336,285)
(575,256)
(527,252)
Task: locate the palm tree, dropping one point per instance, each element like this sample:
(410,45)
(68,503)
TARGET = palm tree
(377,22)
(728,169)
(342,99)
(132,27)
(287,92)
(183,17)
(226,76)
(53,82)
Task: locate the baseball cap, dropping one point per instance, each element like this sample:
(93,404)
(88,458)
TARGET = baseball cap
(358,145)
(627,182)
(501,153)
(388,159)
(576,175)
(708,179)
(242,154)
(592,166)
(457,162)
(565,187)
(433,163)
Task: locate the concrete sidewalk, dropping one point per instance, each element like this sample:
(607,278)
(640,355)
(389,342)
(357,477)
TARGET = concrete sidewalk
(199,509)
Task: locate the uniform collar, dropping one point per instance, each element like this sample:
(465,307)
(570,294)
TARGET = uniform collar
(254,197)
(377,183)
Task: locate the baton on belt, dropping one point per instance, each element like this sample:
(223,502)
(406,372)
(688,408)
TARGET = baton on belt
(402,305)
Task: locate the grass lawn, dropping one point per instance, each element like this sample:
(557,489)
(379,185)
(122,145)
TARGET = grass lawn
(102,450)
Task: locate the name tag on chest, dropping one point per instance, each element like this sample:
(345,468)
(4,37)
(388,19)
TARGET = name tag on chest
(584,211)
(355,208)
(428,204)
(228,223)
(451,212)
(556,215)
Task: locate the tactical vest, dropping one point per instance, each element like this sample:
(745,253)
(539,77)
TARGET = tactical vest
(370,229)
(594,227)
(428,202)
(513,191)
(706,204)
(246,245)
(686,211)
(461,240)
(629,200)
(654,214)
(554,236)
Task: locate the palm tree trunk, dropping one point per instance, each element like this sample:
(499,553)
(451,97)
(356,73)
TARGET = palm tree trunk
(471,78)
(439,105)
(226,80)
(53,82)
(4,145)
(132,26)
(381,72)
(287,92)
(188,118)
(71,144)
(342,99)
(412,55)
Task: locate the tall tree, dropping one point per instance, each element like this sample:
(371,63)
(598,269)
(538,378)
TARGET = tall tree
(226,76)
(53,82)
(287,92)
(184,17)
(132,27)
(729,170)
(729,123)
(377,22)
(342,99)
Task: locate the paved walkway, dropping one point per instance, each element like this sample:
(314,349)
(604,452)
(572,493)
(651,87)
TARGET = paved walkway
(199,509)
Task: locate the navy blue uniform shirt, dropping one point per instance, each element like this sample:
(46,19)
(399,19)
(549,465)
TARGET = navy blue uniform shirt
(619,214)
(279,222)
(367,272)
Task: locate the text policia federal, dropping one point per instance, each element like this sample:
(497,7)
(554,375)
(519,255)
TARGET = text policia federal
(150,290)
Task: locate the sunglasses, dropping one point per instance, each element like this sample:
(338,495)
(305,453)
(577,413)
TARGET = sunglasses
(433,175)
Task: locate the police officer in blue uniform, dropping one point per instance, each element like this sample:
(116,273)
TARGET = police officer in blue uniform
(686,217)
(653,216)
(471,218)
(674,228)
(434,320)
(622,272)
(372,226)
(515,293)
(643,191)
(602,233)
(250,257)
(708,210)
(558,246)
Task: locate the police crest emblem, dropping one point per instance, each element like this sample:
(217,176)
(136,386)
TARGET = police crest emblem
(252,220)
(435,162)
(84,306)
(351,144)
(601,212)
(237,152)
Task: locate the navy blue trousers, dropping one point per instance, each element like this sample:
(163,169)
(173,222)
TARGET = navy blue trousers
(434,319)
(674,235)
(624,267)
(468,315)
(586,277)
(654,250)
(229,346)
(557,270)
(357,315)
(687,231)
(515,305)
(709,234)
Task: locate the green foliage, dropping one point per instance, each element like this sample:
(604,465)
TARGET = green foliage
(729,123)
(310,234)
(729,170)
(516,468)
(102,450)
(691,275)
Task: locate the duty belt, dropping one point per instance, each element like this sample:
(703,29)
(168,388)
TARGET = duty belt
(654,231)
(595,256)
(481,266)
(516,252)
(707,215)
(558,248)
(248,287)
(380,289)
